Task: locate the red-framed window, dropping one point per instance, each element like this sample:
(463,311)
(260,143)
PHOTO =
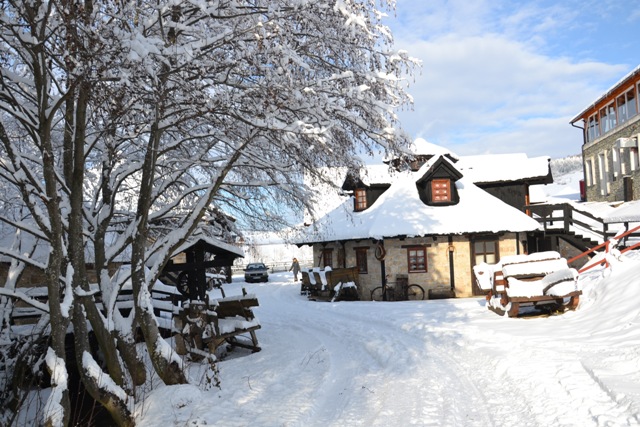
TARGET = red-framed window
(417,259)
(441,190)
(361,199)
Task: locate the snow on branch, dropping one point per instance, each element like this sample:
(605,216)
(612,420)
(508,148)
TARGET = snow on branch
(24,297)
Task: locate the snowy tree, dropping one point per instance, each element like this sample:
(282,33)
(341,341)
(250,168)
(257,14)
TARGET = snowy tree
(125,123)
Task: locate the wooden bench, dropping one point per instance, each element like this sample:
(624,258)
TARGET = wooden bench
(541,280)
(340,284)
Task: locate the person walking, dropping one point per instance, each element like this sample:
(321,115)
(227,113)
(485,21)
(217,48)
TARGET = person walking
(295,267)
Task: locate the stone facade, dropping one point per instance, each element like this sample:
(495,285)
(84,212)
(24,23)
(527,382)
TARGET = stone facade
(437,275)
(603,182)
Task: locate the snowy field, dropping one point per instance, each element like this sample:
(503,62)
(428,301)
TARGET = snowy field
(431,363)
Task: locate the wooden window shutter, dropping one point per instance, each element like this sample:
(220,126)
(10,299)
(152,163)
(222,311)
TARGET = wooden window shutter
(441,190)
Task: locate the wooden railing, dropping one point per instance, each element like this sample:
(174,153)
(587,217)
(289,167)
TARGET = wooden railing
(165,300)
(572,217)
(607,247)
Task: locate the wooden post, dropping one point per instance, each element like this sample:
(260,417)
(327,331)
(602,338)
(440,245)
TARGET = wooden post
(452,277)
(567,211)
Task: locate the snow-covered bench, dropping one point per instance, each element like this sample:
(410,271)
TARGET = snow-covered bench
(330,284)
(541,280)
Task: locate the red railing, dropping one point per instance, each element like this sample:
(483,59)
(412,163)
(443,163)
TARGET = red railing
(606,246)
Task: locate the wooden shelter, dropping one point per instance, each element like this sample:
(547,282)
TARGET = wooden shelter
(187,270)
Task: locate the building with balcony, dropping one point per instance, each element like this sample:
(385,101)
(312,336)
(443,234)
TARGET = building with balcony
(611,130)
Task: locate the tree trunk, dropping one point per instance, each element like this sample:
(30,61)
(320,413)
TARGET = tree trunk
(85,306)
(113,398)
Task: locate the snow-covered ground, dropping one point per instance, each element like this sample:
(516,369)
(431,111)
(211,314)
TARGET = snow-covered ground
(431,363)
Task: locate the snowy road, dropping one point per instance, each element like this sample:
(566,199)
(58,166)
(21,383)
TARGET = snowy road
(360,367)
(431,363)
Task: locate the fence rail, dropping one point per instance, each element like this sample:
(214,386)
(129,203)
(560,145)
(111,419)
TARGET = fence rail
(567,218)
(606,246)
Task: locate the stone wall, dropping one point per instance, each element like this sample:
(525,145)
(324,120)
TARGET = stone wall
(590,153)
(438,272)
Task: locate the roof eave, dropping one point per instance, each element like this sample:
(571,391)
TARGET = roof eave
(621,82)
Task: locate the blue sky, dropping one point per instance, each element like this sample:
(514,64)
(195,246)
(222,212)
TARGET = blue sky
(508,76)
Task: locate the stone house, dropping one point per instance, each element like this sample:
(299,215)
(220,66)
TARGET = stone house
(429,223)
(611,130)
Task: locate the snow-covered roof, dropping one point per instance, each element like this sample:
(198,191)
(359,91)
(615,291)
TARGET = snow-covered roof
(421,146)
(377,174)
(625,212)
(236,250)
(400,212)
(481,169)
(489,168)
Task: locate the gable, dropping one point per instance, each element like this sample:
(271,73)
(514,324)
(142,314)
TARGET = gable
(364,194)
(437,186)
(351,182)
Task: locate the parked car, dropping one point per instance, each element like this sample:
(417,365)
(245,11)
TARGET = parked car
(256,272)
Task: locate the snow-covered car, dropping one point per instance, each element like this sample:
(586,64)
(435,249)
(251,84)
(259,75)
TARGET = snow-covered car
(256,272)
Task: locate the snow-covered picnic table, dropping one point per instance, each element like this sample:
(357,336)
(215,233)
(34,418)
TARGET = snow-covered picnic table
(541,280)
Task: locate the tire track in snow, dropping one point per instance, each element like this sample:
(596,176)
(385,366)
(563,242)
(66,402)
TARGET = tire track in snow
(590,396)
(354,360)
(395,385)
(433,374)
(549,389)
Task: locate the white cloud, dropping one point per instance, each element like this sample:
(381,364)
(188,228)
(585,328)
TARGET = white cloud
(493,85)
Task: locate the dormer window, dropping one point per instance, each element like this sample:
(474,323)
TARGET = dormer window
(437,186)
(441,190)
(360,199)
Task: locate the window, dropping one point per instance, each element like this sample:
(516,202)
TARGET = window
(603,169)
(632,106)
(608,118)
(361,260)
(588,167)
(616,163)
(626,104)
(361,199)
(485,251)
(593,128)
(327,258)
(633,157)
(417,259)
(441,190)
